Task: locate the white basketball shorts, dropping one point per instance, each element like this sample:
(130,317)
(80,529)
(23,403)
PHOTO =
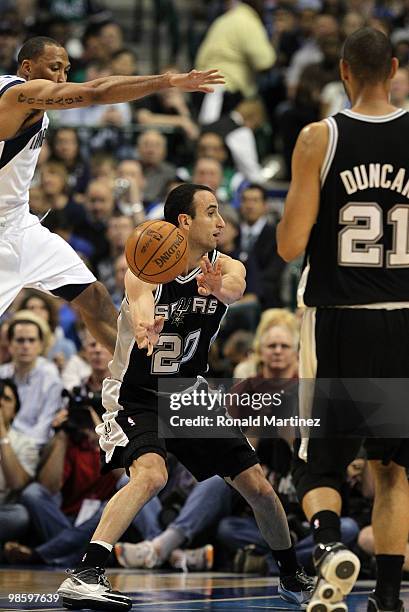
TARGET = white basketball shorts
(32,256)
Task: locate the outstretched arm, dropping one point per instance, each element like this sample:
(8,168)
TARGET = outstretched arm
(19,101)
(225,279)
(146,326)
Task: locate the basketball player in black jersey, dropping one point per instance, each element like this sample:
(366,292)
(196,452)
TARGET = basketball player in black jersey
(348,207)
(166,330)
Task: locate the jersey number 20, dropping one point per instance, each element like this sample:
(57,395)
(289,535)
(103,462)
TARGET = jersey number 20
(364,227)
(171,351)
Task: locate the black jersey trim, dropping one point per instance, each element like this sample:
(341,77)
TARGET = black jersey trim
(331,148)
(11,84)
(193,273)
(14,146)
(374,118)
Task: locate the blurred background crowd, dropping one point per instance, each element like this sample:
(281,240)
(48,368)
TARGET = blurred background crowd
(105,169)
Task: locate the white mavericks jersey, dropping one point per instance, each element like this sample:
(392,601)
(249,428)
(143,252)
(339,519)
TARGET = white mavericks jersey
(18,157)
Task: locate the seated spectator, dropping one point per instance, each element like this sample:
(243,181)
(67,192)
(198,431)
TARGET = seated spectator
(112,37)
(123,62)
(69,489)
(19,457)
(99,206)
(38,201)
(275,347)
(103,166)
(238,348)
(37,379)
(209,172)
(54,183)
(169,108)
(151,150)
(258,248)
(119,227)
(129,189)
(211,145)
(238,132)
(10,41)
(65,147)
(60,348)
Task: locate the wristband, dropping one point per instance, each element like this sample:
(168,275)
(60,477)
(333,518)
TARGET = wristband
(4,441)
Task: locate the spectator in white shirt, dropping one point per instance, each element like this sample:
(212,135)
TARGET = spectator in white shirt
(37,379)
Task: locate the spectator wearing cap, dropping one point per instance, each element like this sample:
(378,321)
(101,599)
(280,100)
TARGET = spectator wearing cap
(37,379)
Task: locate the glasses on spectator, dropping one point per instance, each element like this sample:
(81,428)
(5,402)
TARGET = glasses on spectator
(22,340)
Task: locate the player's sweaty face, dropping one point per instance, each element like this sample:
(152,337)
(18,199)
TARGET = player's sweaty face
(53,64)
(207,224)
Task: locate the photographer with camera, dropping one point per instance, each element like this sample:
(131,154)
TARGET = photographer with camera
(69,491)
(18,461)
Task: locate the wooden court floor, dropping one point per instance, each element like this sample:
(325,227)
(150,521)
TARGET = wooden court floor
(34,589)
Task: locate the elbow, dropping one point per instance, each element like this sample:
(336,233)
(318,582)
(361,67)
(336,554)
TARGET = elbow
(287,252)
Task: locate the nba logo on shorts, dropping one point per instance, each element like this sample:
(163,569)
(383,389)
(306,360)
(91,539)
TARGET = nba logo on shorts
(107,431)
(131,421)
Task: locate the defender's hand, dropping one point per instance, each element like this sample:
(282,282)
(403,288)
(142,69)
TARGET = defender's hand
(196,80)
(210,280)
(147,334)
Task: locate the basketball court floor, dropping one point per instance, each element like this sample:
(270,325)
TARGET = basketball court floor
(21,589)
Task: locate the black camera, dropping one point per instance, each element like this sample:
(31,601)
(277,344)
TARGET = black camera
(78,403)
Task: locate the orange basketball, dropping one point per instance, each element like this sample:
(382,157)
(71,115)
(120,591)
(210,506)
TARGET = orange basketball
(156,252)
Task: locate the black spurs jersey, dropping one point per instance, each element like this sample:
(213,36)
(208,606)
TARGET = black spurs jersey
(191,324)
(358,252)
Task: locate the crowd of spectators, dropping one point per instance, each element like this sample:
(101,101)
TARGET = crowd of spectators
(105,169)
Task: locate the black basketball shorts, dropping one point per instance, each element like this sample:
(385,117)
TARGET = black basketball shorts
(204,458)
(349,343)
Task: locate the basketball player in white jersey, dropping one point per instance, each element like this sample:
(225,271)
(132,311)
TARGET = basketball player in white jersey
(31,256)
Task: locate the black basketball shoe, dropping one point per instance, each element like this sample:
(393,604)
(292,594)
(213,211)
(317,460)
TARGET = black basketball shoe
(375,605)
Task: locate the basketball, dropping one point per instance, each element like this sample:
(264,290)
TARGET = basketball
(156,252)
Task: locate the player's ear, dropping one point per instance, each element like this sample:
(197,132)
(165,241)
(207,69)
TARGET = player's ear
(185,221)
(394,67)
(25,68)
(343,70)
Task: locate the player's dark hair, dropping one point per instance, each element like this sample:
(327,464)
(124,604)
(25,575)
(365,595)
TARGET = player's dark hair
(10,331)
(34,47)
(256,186)
(8,382)
(368,53)
(181,201)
